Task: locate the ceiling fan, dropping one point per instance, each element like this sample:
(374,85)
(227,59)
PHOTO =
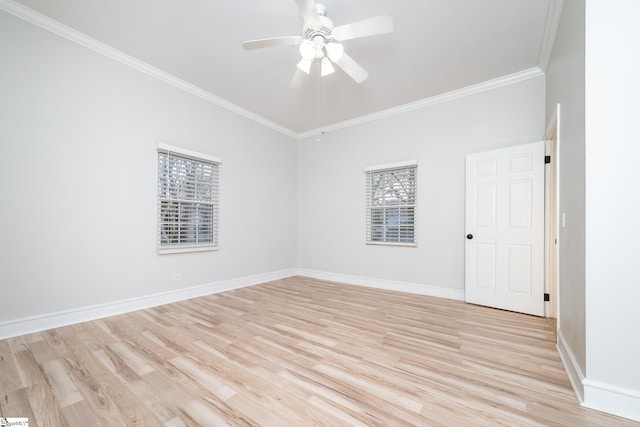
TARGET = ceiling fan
(320,40)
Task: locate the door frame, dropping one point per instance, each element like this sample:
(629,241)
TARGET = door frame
(552,217)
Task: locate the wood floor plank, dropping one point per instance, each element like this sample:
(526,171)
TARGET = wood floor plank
(130,408)
(44,406)
(15,404)
(296,352)
(9,374)
(27,369)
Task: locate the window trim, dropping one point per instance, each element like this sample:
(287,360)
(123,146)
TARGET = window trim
(189,153)
(383,168)
(194,155)
(390,166)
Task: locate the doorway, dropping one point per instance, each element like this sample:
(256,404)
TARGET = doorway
(551,219)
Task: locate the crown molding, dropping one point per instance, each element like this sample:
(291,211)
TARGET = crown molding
(427,102)
(550,30)
(53,26)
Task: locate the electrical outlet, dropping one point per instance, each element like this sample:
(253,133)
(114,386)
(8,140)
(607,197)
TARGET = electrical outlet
(177,276)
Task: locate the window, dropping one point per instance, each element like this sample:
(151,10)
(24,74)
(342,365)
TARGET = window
(391,204)
(187,200)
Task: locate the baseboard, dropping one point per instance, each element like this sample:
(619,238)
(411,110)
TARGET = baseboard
(611,399)
(391,285)
(27,325)
(43,322)
(574,372)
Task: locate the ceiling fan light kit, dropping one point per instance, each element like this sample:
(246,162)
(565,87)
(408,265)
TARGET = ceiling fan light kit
(307,50)
(305,65)
(325,67)
(320,39)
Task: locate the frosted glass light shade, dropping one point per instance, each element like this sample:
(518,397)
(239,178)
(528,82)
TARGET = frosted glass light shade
(335,51)
(305,65)
(326,67)
(307,49)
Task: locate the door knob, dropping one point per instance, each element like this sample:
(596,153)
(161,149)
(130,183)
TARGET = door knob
(469,236)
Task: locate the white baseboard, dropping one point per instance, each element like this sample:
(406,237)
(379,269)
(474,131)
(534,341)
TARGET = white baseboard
(27,325)
(574,372)
(43,322)
(611,399)
(392,285)
(591,394)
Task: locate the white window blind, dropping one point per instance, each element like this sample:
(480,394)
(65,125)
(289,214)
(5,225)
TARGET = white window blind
(187,200)
(391,204)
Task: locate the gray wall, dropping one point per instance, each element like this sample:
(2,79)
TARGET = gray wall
(79,133)
(79,171)
(565,85)
(331,183)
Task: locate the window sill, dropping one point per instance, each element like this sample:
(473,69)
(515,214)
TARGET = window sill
(408,245)
(184,250)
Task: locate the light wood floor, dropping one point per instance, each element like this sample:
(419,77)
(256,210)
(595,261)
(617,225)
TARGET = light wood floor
(295,352)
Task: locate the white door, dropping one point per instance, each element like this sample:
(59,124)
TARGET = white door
(504,250)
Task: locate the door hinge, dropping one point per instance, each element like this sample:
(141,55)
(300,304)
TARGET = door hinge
(546,297)
(547,159)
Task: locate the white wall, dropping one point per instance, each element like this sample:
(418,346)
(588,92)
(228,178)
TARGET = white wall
(331,181)
(565,85)
(78,170)
(612,206)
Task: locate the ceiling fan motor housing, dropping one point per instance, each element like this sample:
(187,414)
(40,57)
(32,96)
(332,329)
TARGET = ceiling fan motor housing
(324,30)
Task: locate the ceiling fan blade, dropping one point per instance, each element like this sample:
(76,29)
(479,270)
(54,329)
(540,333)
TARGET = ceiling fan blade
(351,67)
(309,12)
(367,27)
(276,41)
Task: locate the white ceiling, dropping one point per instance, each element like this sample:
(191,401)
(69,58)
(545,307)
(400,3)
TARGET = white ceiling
(437,46)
